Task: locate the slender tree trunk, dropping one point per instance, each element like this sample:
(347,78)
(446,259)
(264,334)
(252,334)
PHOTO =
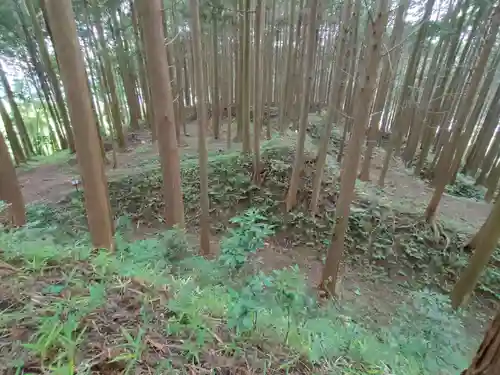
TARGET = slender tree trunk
(401,119)
(202,125)
(283,120)
(245,87)
(239,52)
(127,76)
(161,95)
(489,159)
(291,198)
(10,191)
(484,245)
(21,127)
(362,104)
(110,78)
(478,151)
(492,183)
(258,92)
(346,101)
(387,75)
(463,110)
(71,64)
(180,83)
(141,67)
(15,145)
(215,78)
(473,119)
(334,112)
(51,74)
(418,127)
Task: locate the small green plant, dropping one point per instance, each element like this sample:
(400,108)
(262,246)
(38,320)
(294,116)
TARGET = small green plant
(246,304)
(245,239)
(131,350)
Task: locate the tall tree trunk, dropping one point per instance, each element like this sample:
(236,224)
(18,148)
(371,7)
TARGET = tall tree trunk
(202,126)
(362,104)
(127,75)
(62,22)
(141,67)
(291,198)
(346,101)
(180,81)
(49,68)
(401,119)
(15,145)
(334,111)
(478,151)
(10,191)
(483,244)
(473,118)
(150,15)
(110,78)
(283,120)
(463,110)
(390,63)
(418,127)
(258,92)
(489,159)
(492,183)
(21,127)
(215,76)
(245,86)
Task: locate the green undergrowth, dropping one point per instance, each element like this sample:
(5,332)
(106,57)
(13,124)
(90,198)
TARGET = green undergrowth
(381,235)
(154,307)
(465,187)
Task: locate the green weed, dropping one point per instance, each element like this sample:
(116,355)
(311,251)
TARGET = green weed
(89,312)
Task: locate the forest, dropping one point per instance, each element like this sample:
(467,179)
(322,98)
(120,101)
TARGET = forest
(250,187)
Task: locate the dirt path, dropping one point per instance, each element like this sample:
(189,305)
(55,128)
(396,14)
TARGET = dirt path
(403,187)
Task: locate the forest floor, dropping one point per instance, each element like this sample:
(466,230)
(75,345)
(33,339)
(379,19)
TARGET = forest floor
(377,285)
(52,182)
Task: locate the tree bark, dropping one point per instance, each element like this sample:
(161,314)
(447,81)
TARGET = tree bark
(463,110)
(10,191)
(485,243)
(62,22)
(202,126)
(110,78)
(258,93)
(15,145)
(150,12)
(334,111)
(245,86)
(21,126)
(127,75)
(487,359)
(283,120)
(291,198)
(49,68)
(362,104)
(215,78)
